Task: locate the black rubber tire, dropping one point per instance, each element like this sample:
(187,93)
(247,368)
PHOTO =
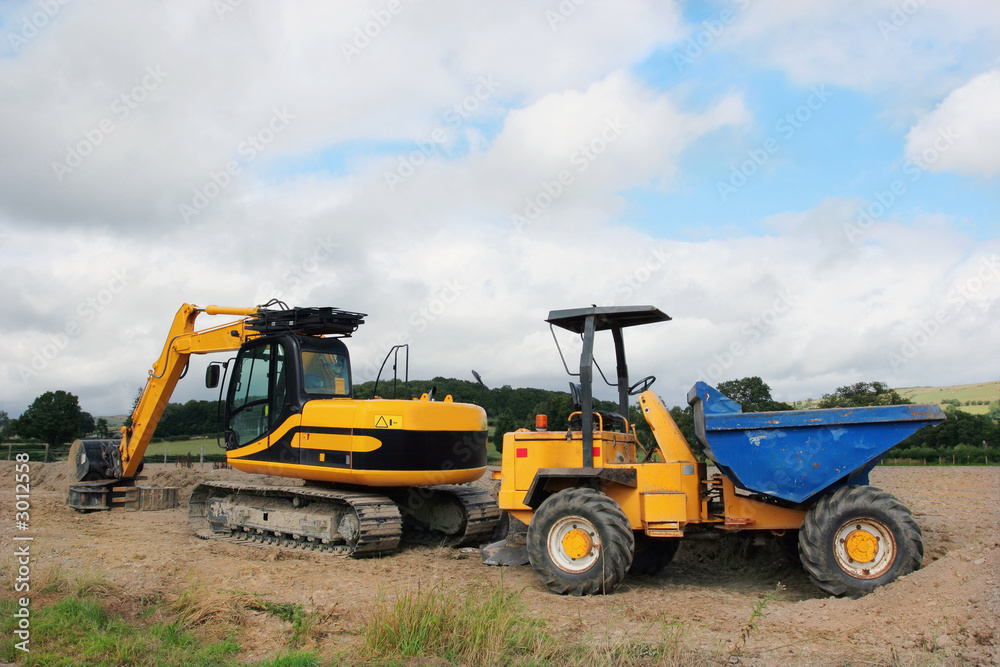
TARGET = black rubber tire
(596,514)
(819,545)
(652,554)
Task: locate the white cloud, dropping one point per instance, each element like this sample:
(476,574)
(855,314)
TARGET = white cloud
(222,78)
(804,314)
(962,134)
(910,50)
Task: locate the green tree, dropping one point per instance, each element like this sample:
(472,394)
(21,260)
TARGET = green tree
(506,423)
(960,427)
(102,429)
(753,395)
(5,423)
(861,395)
(54,417)
(684,418)
(135,404)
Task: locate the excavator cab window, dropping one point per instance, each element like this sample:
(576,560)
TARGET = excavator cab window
(326,373)
(256,392)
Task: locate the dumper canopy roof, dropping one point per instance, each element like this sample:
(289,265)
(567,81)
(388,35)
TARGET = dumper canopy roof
(606,317)
(586,322)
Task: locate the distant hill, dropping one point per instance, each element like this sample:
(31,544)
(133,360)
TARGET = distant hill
(116,421)
(979,395)
(972,398)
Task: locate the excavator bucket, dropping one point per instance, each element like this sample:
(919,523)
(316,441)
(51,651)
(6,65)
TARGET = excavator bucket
(512,550)
(95,471)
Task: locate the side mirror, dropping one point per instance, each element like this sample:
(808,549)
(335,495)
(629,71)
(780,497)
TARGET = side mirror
(212,375)
(576,395)
(482,386)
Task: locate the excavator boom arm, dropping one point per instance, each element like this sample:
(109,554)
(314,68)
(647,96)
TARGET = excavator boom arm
(182,341)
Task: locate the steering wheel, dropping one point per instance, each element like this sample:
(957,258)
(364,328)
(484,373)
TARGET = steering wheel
(642,385)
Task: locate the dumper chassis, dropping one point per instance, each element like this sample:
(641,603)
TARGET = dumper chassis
(585,509)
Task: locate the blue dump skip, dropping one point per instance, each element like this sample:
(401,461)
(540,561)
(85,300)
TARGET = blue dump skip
(795,455)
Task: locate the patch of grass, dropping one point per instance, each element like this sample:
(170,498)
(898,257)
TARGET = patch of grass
(480,624)
(758,611)
(80,630)
(212,610)
(215,609)
(293,659)
(303,622)
(662,646)
(92,583)
(50,580)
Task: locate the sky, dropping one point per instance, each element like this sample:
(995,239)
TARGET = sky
(810,190)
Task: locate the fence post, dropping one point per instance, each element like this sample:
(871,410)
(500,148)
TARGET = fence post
(46,452)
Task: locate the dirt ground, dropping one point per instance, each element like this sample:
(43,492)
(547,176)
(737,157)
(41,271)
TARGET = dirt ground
(947,613)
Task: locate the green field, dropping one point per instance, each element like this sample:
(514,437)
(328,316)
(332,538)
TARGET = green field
(182,447)
(983,391)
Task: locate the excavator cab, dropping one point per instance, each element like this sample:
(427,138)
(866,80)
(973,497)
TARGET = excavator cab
(274,377)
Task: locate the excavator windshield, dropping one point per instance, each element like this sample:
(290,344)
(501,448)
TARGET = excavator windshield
(256,392)
(326,373)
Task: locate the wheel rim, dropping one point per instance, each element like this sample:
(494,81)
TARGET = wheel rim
(574,544)
(865,548)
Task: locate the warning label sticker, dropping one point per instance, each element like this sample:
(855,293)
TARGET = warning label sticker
(388,421)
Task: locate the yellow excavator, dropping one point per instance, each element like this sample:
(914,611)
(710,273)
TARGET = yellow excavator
(377,471)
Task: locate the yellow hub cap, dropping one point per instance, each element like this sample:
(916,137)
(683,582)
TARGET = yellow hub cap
(861,546)
(577,543)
